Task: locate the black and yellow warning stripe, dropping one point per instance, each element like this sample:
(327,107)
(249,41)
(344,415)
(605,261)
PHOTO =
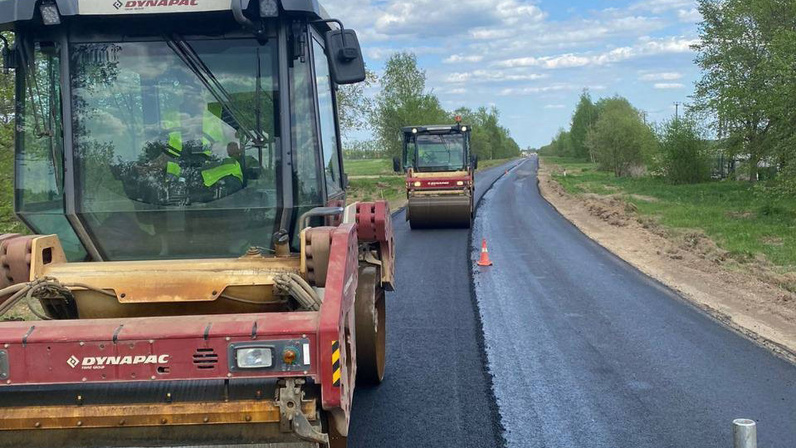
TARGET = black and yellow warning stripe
(336,368)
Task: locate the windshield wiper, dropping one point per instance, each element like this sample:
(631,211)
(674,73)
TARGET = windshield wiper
(187,54)
(40,118)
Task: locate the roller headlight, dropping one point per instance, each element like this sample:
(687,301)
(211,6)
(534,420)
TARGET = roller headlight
(255,358)
(418,184)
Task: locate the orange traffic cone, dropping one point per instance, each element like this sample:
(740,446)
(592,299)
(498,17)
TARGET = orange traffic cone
(484,261)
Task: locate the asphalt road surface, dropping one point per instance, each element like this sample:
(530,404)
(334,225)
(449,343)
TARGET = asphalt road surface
(436,392)
(560,344)
(588,352)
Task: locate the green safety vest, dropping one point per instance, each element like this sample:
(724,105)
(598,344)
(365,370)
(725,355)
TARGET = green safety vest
(211,125)
(230,167)
(171,120)
(173,169)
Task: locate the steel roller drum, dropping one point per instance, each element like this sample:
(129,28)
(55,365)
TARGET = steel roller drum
(438,212)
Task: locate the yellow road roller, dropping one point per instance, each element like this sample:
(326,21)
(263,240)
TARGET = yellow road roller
(440,179)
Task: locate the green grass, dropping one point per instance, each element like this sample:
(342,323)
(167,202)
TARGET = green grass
(371,167)
(392,189)
(736,215)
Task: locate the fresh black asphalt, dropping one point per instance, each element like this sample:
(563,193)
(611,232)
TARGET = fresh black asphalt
(565,345)
(588,352)
(436,392)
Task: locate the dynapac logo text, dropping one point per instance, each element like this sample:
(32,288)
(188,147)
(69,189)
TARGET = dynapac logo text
(100,362)
(157,3)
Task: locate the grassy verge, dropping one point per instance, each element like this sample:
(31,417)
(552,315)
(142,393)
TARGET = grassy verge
(390,188)
(372,167)
(733,214)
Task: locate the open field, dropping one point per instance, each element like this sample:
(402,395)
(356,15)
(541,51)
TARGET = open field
(733,214)
(369,167)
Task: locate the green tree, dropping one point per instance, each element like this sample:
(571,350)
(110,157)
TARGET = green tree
(585,116)
(684,151)
(563,144)
(620,141)
(737,82)
(782,96)
(7,220)
(489,139)
(354,106)
(403,101)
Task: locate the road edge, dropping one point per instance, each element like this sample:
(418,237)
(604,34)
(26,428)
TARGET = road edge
(780,350)
(497,419)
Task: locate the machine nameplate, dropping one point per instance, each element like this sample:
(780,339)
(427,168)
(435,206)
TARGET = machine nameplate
(114,7)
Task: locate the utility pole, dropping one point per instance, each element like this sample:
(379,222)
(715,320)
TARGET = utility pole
(677,110)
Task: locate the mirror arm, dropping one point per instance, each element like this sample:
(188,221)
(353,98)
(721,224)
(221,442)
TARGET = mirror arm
(342,54)
(237,11)
(6,51)
(337,21)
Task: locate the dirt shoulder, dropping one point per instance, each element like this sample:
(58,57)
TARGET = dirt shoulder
(745,297)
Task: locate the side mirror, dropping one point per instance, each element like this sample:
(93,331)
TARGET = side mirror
(396,165)
(475,162)
(345,57)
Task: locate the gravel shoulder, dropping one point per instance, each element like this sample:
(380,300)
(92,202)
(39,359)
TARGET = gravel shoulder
(742,297)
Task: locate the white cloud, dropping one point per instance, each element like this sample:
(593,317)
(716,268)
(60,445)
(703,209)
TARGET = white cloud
(660,6)
(546,89)
(484,76)
(689,15)
(427,18)
(457,58)
(644,47)
(555,106)
(668,86)
(459,91)
(665,76)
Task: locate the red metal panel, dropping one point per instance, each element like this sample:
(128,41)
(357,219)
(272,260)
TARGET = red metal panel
(337,318)
(366,220)
(148,349)
(374,223)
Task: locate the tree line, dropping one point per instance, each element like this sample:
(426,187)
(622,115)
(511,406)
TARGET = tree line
(743,101)
(404,100)
(614,134)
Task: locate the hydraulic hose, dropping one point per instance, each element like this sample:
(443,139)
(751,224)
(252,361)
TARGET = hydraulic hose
(296,287)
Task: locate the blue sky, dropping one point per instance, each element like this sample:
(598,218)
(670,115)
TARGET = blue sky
(533,58)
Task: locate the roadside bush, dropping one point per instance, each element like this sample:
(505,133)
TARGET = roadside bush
(620,141)
(684,154)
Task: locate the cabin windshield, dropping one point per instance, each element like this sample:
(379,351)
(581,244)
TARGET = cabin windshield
(437,153)
(175,146)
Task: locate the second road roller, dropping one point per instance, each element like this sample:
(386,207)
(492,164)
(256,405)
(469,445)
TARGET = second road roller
(440,179)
